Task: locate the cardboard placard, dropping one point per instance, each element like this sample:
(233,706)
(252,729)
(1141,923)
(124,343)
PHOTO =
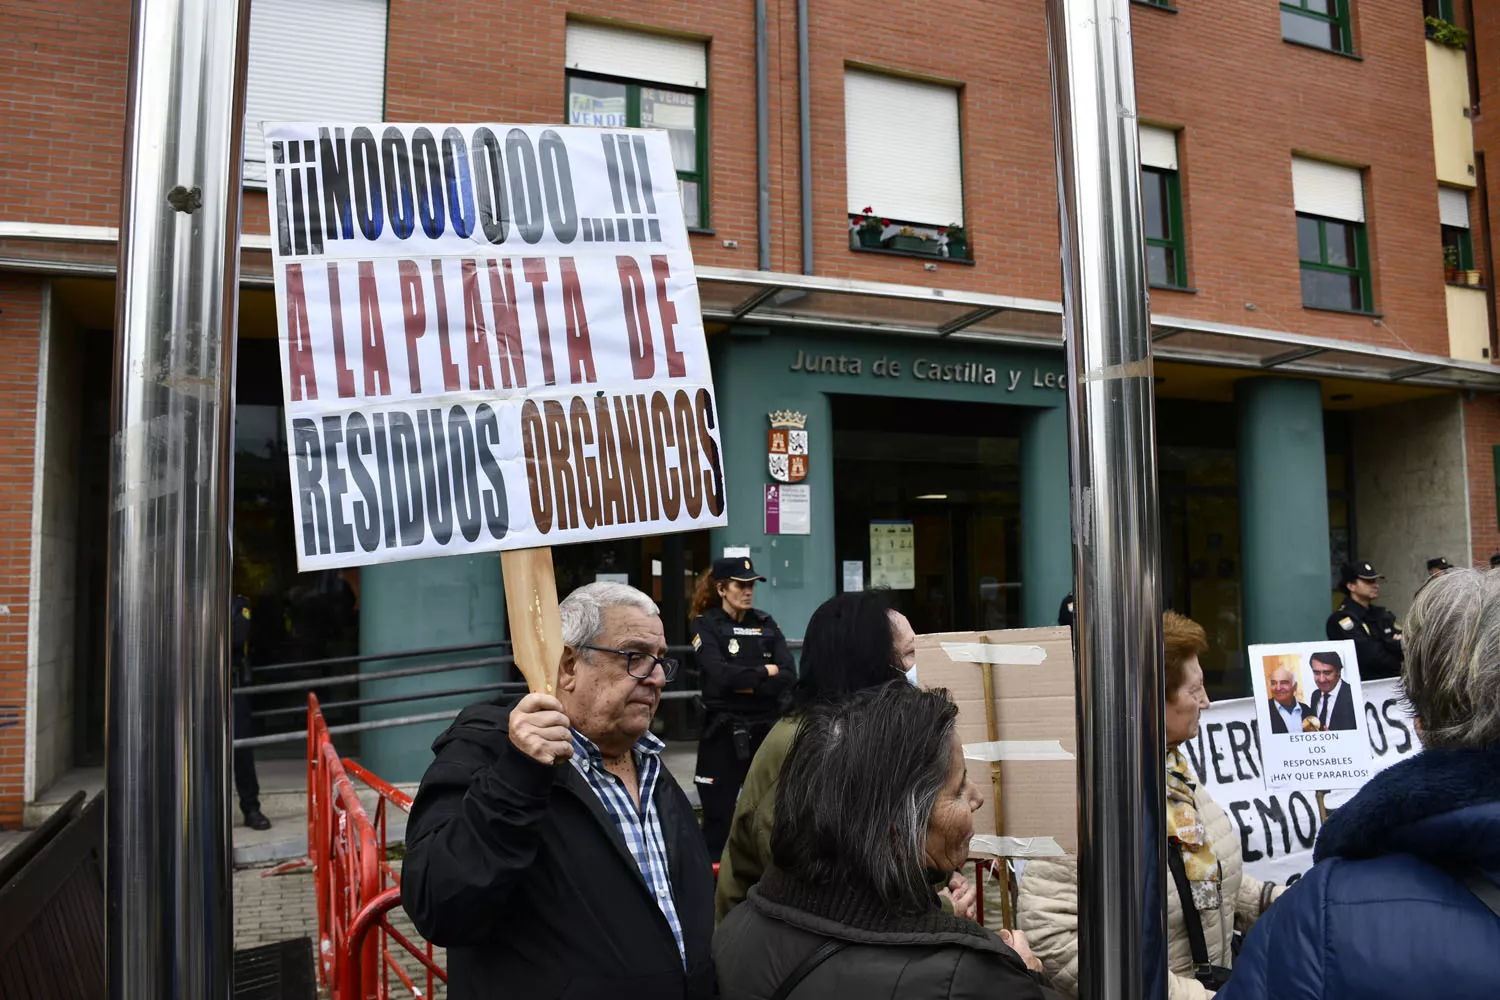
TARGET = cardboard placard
(1033,701)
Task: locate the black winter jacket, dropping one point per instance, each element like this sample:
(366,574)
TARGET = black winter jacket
(934,956)
(516,869)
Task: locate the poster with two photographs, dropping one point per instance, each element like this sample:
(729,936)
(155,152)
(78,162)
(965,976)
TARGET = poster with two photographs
(1307,697)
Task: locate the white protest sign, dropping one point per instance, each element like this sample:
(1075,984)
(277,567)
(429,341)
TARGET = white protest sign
(1304,741)
(490,339)
(1277,829)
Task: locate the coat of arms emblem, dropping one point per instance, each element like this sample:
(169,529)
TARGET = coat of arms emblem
(787,446)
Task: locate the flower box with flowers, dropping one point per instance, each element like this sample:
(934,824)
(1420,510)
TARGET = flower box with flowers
(867,230)
(957,238)
(911,241)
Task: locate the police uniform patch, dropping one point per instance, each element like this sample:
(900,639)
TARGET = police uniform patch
(697,643)
(1347,624)
(734,646)
(741,630)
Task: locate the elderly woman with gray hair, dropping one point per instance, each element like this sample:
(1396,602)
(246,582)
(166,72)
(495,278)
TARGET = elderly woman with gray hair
(873,814)
(1403,901)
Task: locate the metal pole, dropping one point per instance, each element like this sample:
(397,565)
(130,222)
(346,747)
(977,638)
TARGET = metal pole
(167,864)
(1117,631)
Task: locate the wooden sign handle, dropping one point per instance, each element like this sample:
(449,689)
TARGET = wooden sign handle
(997,785)
(531,606)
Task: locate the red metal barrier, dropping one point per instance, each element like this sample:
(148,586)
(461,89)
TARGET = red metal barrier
(355,884)
(389,897)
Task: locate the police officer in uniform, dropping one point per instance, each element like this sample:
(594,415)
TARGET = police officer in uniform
(746,667)
(245,781)
(1377,637)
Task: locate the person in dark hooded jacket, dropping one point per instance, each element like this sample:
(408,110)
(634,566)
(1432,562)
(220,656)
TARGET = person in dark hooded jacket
(1404,901)
(549,850)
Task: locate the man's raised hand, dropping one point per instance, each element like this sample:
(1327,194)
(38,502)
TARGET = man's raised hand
(540,730)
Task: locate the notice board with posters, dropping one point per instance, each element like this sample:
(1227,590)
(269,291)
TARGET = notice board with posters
(490,338)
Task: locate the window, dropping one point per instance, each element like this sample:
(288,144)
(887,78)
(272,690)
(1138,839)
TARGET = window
(1161,200)
(1440,9)
(1458,242)
(1331,241)
(621,78)
(904,164)
(291,77)
(1320,23)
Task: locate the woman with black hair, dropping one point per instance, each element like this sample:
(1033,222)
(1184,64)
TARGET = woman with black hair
(873,812)
(853,641)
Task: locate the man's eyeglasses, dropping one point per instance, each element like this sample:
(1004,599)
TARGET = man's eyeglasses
(640,664)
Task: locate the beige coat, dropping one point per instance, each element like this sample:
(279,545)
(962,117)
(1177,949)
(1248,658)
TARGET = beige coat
(1048,911)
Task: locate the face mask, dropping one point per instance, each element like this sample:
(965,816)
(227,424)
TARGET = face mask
(911,677)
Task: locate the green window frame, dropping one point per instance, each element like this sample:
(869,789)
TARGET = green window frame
(1356,273)
(633,92)
(1440,9)
(1462,241)
(1167,267)
(1164,4)
(1309,22)
(1495,463)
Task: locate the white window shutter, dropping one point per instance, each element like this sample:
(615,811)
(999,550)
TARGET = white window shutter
(1158,148)
(294,74)
(637,55)
(902,141)
(1327,189)
(1453,206)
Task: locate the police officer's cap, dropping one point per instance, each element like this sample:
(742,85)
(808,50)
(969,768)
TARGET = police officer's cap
(735,568)
(1438,563)
(1360,571)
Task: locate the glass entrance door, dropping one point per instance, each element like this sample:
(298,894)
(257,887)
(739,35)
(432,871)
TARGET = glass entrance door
(946,476)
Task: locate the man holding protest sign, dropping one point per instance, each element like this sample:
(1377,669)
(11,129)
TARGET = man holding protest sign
(491,341)
(549,849)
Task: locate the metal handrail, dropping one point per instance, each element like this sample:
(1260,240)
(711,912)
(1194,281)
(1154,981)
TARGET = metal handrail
(308,684)
(329,706)
(408,720)
(363,657)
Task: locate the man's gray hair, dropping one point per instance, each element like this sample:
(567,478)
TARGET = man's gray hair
(582,611)
(1452,668)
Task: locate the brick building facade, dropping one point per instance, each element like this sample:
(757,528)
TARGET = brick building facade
(1236,91)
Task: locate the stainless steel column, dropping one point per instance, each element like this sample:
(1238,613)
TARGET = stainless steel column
(1117,629)
(169,928)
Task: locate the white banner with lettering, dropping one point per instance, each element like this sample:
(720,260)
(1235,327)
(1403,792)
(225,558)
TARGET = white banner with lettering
(1278,829)
(490,339)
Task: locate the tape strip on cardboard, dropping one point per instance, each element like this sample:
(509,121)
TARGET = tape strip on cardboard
(1017,750)
(1004,655)
(1016,847)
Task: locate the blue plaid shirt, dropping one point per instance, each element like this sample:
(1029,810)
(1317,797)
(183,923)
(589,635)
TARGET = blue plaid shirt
(641,827)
